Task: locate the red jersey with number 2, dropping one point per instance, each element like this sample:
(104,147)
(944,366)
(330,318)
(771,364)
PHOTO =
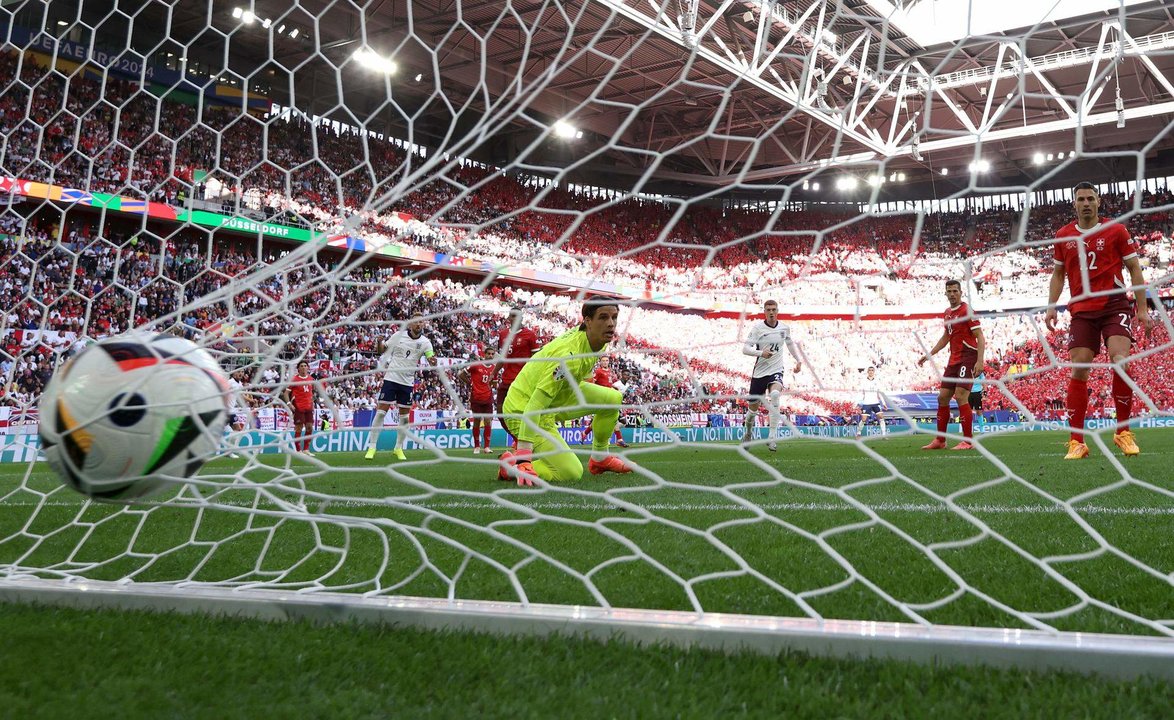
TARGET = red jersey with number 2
(302,390)
(960,325)
(480,377)
(1103,250)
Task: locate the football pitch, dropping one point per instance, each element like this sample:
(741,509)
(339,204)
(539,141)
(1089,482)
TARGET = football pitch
(1010,537)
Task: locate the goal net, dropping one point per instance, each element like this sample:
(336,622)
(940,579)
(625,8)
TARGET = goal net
(288,182)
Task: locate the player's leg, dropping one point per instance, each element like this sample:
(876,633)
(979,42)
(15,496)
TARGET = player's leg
(487,429)
(758,388)
(296,432)
(976,405)
(554,461)
(475,425)
(966,416)
(1082,350)
(945,392)
(605,406)
(542,453)
(502,392)
(773,403)
(299,430)
(386,396)
(1119,344)
(880,416)
(402,424)
(748,421)
(863,418)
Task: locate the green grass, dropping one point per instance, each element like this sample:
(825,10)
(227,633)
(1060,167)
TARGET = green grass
(835,530)
(69,663)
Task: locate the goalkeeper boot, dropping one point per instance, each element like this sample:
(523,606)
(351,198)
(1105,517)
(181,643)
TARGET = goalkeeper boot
(937,444)
(1077,450)
(399,454)
(611,463)
(1127,442)
(370,453)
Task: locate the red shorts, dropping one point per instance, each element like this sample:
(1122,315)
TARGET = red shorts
(303,417)
(478,407)
(1088,329)
(961,372)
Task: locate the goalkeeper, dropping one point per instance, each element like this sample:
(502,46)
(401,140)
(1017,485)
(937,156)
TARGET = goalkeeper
(551,388)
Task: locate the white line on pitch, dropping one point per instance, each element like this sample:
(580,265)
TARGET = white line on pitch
(924,508)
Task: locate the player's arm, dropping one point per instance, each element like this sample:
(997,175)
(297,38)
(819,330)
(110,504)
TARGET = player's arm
(980,344)
(750,347)
(943,341)
(794,350)
(1139,287)
(542,396)
(1055,287)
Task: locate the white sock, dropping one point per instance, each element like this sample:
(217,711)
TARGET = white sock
(598,456)
(376,428)
(400,431)
(748,424)
(772,409)
(883,430)
(860,427)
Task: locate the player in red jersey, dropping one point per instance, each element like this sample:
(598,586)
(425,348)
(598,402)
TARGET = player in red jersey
(300,396)
(967,350)
(1096,249)
(516,343)
(603,378)
(480,378)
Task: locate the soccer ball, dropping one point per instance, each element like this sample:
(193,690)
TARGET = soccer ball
(129,415)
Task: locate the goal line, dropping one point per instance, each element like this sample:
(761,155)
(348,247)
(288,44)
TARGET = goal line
(1115,656)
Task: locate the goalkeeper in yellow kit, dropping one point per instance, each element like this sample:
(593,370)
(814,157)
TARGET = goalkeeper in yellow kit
(552,387)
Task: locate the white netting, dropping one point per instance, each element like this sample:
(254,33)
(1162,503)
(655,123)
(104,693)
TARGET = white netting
(285,183)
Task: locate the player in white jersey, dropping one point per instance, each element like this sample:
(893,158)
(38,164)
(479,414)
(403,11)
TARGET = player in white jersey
(872,403)
(765,342)
(401,357)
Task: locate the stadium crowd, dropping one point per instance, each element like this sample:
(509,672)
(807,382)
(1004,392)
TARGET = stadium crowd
(69,275)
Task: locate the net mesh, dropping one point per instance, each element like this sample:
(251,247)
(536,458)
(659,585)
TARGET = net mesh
(280,188)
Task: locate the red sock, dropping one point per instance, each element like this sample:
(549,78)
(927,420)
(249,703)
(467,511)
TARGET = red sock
(966,414)
(1077,407)
(943,418)
(487,433)
(476,430)
(1123,399)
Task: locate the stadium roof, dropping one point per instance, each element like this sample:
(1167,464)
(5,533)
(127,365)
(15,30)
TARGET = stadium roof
(701,95)
(929,23)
